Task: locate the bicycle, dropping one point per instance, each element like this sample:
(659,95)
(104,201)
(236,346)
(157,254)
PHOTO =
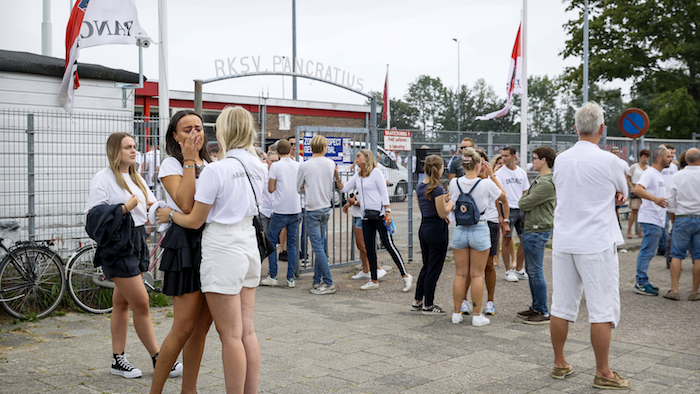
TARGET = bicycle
(32,278)
(88,286)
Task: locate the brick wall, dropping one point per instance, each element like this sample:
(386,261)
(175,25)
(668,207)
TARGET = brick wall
(272,124)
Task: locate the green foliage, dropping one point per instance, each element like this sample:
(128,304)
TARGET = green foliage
(654,44)
(159,299)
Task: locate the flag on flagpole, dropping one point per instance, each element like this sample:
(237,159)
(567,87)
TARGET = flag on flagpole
(103,22)
(386,115)
(514,84)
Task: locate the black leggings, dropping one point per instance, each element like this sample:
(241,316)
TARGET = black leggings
(369,230)
(434,237)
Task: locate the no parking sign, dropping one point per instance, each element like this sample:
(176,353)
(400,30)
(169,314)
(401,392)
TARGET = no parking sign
(634,123)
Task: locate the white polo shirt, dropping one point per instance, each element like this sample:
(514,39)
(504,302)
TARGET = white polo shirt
(285,197)
(104,189)
(224,185)
(587,178)
(514,183)
(684,192)
(169,167)
(649,212)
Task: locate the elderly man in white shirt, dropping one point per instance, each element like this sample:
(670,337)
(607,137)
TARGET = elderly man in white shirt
(589,181)
(684,209)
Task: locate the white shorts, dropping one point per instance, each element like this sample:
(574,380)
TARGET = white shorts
(597,274)
(230,258)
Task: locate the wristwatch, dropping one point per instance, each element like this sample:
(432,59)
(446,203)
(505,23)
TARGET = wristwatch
(170,217)
(387,209)
(506,220)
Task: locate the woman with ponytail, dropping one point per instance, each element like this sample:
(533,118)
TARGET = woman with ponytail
(116,209)
(433,234)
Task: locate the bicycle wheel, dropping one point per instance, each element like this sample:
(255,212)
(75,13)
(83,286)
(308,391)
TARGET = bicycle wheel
(86,285)
(32,282)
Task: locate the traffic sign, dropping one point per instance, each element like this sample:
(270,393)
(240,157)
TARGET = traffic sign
(397,140)
(634,123)
(338,149)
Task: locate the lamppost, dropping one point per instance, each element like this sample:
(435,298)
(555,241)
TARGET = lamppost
(283,59)
(459,98)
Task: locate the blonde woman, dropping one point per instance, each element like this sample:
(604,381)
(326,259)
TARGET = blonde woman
(116,214)
(376,213)
(471,244)
(226,200)
(433,234)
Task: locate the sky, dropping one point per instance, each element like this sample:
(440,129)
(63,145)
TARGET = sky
(353,38)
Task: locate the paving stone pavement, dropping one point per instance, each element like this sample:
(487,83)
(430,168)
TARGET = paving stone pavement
(371,342)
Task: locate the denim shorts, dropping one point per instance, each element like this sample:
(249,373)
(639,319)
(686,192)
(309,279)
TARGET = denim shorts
(686,235)
(477,237)
(357,222)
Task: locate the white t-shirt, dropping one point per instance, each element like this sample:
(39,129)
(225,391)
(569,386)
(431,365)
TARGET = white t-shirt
(170,166)
(684,193)
(586,179)
(649,212)
(625,166)
(635,172)
(152,160)
(485,193)
(285,197)
(105,190)
(267,200)
(384,171)
(514,183)
(667,173)
(316,177)
(373,194)
(491,213)
(225,186)
(356,210)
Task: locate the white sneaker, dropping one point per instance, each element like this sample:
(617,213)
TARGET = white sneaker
(457,318)
(362,275)
(370,285)
(466,309)
(269,281)
(291,283)
(381,273)
(510,276)
(522,275)
(407,282)
(490,308)
(480,320)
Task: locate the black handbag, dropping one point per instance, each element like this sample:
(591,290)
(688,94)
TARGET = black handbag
(265,246)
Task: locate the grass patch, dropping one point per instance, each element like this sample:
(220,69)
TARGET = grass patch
(160,300)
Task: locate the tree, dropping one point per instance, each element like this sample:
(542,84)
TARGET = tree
(654,44)
(403,116)
(427,96)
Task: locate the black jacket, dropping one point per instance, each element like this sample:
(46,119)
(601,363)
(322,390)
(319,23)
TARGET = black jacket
(113,231)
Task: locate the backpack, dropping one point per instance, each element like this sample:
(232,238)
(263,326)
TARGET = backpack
(466,211)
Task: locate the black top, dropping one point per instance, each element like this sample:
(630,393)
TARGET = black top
(427,207)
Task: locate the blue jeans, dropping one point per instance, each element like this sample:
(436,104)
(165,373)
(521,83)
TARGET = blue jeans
(317,228)
(533,248)
(651,234)
(686,235)
(302,248)
(664,236)
(277,223)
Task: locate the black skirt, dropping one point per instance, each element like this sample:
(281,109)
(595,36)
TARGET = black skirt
(133,264)
(182,255)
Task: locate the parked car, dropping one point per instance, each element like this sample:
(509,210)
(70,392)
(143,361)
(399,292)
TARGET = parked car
(397,175)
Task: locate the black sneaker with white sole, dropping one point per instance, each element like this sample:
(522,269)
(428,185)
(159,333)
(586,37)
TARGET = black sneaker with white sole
(122,367)
(433,310)
(174,372)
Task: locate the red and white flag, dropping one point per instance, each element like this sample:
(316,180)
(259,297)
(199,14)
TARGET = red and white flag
(93,23)
(385,97)
(514,84)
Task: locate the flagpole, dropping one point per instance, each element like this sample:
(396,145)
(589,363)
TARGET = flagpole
(523,81)
(388,101)
(163,92)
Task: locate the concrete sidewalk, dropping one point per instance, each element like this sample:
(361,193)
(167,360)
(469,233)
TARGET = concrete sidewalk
(371,342)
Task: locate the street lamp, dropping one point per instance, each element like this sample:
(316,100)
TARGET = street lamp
(459,98)
(283,58)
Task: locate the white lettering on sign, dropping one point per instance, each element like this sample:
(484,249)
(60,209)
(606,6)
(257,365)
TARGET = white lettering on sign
(397,140)
(247,64)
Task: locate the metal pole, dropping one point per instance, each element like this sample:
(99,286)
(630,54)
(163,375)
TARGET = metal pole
(459,97)
(585,52)
(31,212)
(294,49)
(198,96)
(163,88)
(490,144)
(523,107)
(46,37)
(373,126)
(409,192)
(263,120)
